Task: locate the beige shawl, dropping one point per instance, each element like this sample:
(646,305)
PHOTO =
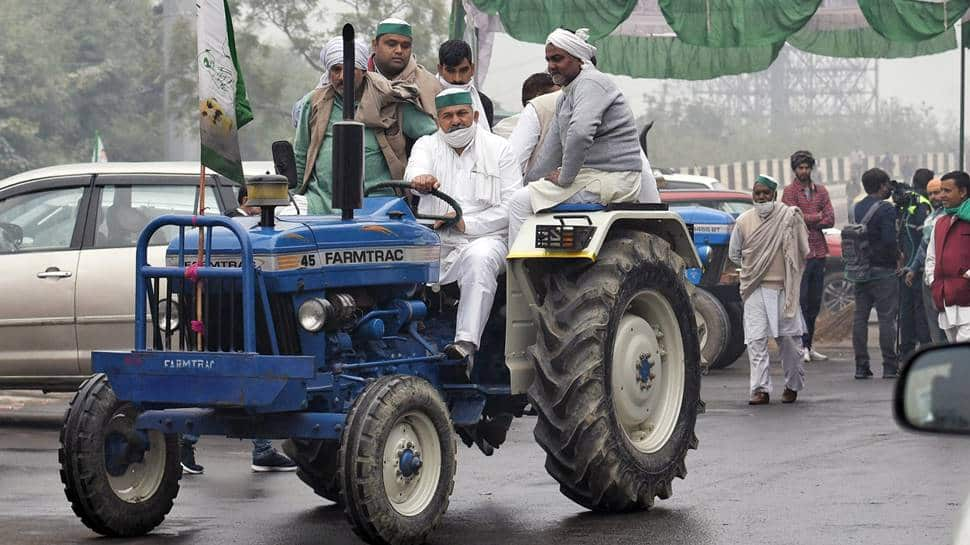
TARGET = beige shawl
(782,231)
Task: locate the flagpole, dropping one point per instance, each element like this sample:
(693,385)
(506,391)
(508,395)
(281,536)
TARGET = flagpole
(200,255)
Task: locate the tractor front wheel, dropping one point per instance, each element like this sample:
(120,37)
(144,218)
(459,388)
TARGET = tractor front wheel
(316,465)
(397,461)
(120,482)
(617,385)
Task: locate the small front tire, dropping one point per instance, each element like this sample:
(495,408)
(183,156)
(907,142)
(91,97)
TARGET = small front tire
(115,486)
(397,461)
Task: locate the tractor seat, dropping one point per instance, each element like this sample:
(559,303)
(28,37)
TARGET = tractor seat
(570,207)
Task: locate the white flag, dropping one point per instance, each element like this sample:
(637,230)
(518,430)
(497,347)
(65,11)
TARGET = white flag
(99,155)
(223,106)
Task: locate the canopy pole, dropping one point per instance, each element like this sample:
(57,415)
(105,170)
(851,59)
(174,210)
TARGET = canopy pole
(963,100)
(200,256)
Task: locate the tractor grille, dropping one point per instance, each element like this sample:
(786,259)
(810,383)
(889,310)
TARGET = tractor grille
(172,315)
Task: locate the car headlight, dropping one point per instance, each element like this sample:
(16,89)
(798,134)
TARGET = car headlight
(713,229)
(313,314)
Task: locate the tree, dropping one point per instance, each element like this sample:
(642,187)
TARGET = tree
(308,24)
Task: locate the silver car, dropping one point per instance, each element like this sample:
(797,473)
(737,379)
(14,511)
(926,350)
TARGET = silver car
(67,252)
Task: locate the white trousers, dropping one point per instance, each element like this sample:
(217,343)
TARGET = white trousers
(520,207)
(958,334)
(476,268)
(791,361)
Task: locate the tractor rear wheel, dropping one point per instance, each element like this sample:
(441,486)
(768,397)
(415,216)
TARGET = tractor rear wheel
(617,385)
(120,482)
(713,326)
(396,462)
(316,465)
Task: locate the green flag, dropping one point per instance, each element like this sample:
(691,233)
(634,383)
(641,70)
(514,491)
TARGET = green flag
(223,105)
(99,154)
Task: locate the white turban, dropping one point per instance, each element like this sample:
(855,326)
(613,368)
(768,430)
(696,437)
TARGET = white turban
(332,54)
(574,44)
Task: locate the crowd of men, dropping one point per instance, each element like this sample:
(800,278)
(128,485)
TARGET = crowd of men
(907,258)
(575,140)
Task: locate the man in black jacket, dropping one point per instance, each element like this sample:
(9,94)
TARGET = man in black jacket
(881,288)
(457,69)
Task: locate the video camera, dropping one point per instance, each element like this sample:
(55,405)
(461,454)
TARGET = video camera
(903,195)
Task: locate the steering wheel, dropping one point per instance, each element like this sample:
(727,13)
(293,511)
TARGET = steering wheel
(446,221)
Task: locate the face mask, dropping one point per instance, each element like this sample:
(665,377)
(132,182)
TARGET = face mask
(764,208)
(463,86)
(459,138)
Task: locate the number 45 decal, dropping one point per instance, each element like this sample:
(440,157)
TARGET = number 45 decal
(309,260)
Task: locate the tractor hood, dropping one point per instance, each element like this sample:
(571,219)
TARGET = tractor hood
(383,241)
(710,227)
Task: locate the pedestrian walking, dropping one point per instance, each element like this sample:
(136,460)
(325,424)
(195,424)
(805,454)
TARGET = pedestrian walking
(770,242)
(816,206)
(948,258)
(875,275)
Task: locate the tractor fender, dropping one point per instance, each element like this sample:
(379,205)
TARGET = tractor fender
(665,224)
(521,299)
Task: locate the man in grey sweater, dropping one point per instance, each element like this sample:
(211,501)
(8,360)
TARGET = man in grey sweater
(592,154)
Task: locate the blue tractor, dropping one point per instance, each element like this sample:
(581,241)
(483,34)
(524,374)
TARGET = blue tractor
(717,301)
(328,332)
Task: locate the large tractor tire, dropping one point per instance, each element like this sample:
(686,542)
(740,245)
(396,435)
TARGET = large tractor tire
(713,326)
(316,465)
(396,462)
(617,386)
(735,344)
(118,484)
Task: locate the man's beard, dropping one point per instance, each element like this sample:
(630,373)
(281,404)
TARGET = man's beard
(558,79)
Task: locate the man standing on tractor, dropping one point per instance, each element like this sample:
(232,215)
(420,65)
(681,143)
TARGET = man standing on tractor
(479,170)
(390,112)
(456,70)
(592,154)
(394,60)
(770,242)
(816,206)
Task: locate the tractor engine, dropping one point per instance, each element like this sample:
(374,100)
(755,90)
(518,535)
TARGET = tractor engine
(348,293)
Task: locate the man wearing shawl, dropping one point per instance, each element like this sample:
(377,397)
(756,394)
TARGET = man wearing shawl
(592,153)
(770,242)
(390,113)
(948,258)
(394,60)
(478,169)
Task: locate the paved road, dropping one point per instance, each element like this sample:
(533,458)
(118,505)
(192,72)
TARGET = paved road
(833,468)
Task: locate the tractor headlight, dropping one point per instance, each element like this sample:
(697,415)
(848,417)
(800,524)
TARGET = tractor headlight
(313,314)
(168,322)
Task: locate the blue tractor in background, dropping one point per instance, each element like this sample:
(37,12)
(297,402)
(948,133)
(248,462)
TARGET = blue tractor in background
(717,302)
(328,332)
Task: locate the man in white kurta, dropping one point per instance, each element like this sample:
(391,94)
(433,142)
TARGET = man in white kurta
(478,169)
(770,242)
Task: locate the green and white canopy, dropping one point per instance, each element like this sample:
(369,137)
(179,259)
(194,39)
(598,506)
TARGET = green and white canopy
(703,39)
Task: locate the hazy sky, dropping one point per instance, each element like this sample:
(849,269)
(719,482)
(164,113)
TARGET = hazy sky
(934,80)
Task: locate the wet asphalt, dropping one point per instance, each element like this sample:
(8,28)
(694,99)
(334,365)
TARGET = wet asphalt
(832,468)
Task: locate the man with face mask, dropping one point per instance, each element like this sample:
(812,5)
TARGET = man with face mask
(592,153)
(390,113)
(816,206)
(394,59)
(456,70)
(770,243)
(477,169)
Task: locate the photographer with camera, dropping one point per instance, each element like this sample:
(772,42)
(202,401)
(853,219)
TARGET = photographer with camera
(912,209)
